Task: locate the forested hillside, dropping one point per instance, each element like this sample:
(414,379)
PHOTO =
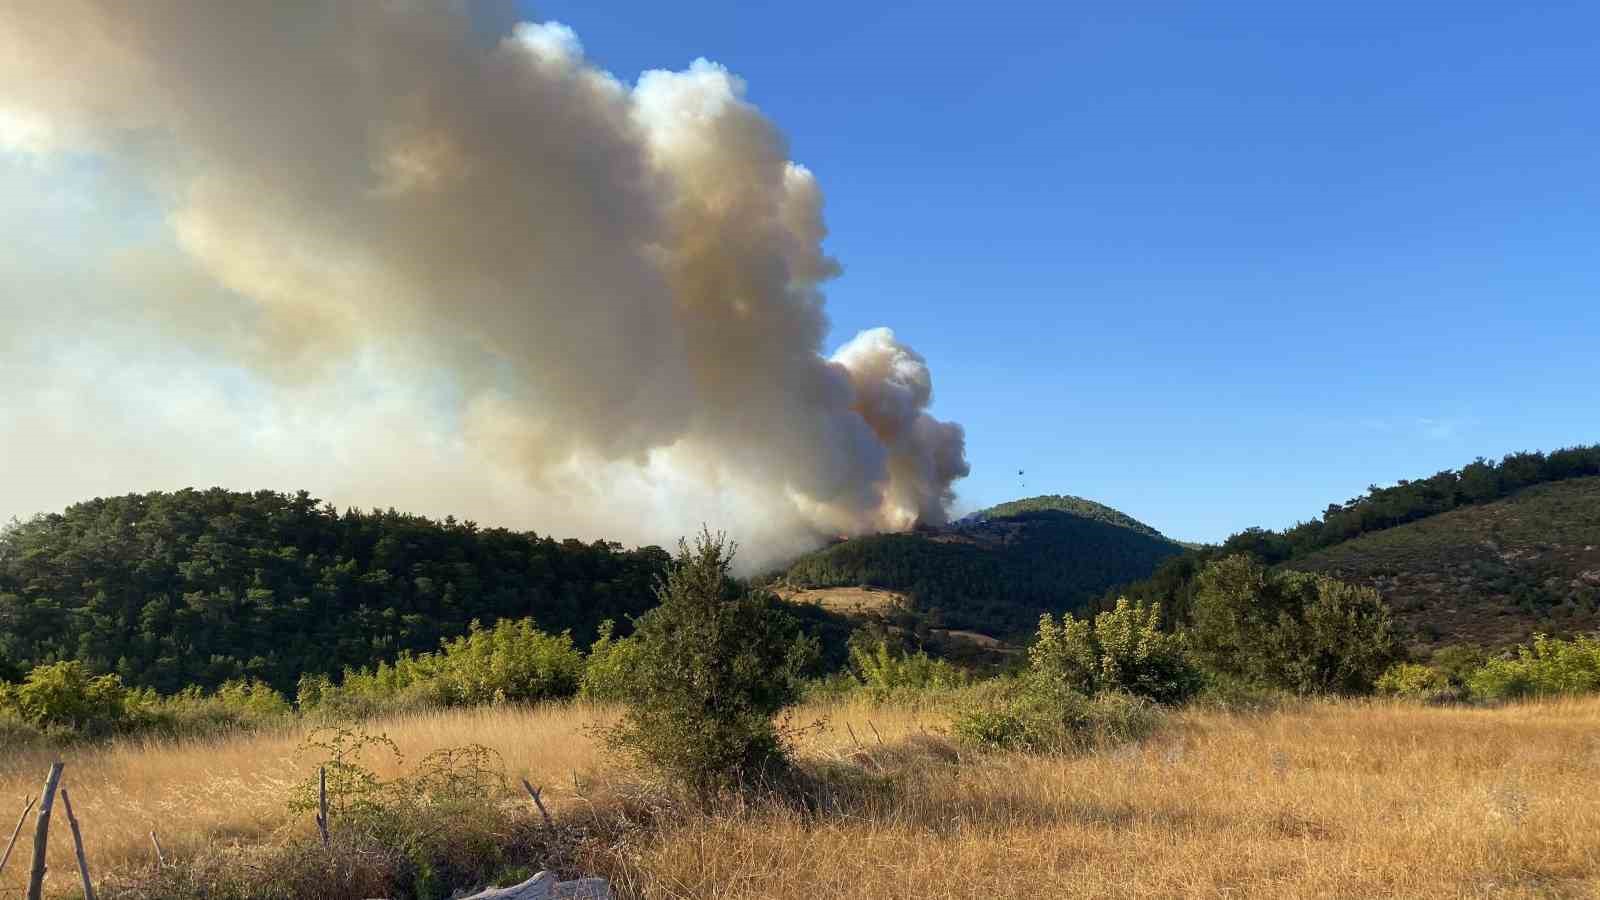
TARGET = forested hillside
(996,575)
(1486,553)
(1492,574)
(1481,481)
(198,587)
(1078,506)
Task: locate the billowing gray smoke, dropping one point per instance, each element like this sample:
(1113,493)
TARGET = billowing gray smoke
(605,289)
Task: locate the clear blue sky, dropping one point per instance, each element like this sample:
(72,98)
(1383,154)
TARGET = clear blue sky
(1215,264)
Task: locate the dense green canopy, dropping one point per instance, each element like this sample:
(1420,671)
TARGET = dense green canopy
(197,587)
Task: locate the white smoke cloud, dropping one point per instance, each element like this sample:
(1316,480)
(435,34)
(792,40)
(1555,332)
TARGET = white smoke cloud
(358,248)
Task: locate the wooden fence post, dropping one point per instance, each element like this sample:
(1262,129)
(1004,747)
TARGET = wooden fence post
(11,845)
(41,832)
(77,846)
(322,804)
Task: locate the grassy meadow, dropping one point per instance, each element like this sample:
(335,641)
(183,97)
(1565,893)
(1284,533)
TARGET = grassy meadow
(1324,798)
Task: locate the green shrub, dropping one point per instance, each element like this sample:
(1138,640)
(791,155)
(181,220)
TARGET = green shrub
(1050,708)
(1120,650)
(1043,717)
(1458,662)
(65,695)
(609,669)
(1306,633)
(1547,668)
(1229,693)
(513,662)
(715,663)
(252,699)
(884,673)
(1414,681)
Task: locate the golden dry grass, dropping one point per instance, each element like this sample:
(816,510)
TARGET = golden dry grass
(846,600)
(1323,799)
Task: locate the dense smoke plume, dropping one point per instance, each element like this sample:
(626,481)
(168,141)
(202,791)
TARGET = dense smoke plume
(443,262)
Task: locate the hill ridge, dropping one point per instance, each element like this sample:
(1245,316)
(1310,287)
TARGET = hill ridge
(1491,573)
(1067,503)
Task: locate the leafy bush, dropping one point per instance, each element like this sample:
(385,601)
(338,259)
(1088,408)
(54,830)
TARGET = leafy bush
(193,713)
(513,662)
(1229,693)
(1068,698)
(252,698)
(714,664)
(1040,716)
(1547,668)
(1123,649)
(884,673)
(1414,681)
(1458,661)
(608,672)
(66,695)
(1310,634)
(64,700)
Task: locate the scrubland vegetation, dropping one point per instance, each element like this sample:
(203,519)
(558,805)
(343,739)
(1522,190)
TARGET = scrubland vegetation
(1315,798)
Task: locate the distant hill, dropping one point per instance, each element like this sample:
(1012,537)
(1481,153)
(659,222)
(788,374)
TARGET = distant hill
(1487,553)
(1491,574)
(994,573)
(1078,506)
(197,587)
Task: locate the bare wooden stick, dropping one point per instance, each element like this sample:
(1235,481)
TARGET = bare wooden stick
(534,793)
(41,832)
(14,832)
(853,735)
(161,858)
(77,846)
(322,804)
(875,732)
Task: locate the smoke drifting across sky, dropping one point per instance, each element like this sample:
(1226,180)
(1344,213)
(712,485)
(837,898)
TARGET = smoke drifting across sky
(368,250)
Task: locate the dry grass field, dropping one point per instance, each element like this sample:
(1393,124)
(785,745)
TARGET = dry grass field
(850,601)
(1358,799)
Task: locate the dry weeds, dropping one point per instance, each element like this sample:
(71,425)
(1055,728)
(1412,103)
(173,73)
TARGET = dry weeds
(1324,799)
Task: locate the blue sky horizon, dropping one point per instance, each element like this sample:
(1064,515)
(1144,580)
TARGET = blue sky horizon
(1214,267)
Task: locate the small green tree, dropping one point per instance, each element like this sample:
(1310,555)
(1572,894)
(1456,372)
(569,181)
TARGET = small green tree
(714,664)
(1307,633)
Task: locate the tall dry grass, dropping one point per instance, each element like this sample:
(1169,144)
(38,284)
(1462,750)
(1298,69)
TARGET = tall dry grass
(1349,799)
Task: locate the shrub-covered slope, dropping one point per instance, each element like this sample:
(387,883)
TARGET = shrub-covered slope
(995,575)
(1490,574)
